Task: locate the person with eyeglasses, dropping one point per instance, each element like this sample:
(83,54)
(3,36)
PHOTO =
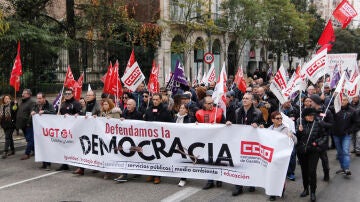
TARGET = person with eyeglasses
(92,109)
(70,106)
(146,103)
(278,125)
(209,114)
(23,121)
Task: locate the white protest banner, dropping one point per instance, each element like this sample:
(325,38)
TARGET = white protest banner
(344,61)
(279,84)
(236,154)
(133,77)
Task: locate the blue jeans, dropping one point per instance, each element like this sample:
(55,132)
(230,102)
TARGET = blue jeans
(29,136)
(292,163)
(342,144)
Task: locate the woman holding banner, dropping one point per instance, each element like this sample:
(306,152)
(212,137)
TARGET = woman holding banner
(311,141)
(278,125)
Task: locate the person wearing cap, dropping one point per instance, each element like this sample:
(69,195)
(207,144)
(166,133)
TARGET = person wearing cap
(311,140)
(326,121)
(344,120)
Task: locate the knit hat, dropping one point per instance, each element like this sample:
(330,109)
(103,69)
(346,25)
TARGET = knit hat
(309,112)
(316,98)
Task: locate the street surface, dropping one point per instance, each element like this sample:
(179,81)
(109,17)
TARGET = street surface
(24,181)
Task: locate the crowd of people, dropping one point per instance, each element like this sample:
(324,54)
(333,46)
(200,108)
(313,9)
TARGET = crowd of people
(312,111)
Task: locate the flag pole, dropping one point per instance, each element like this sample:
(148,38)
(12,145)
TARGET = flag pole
(300,103)
(61,95)
(327,107)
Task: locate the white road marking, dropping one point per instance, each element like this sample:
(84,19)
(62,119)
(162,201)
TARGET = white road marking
(23,181)
(181,195)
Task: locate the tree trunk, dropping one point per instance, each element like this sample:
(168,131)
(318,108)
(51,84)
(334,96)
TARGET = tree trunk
(73,48)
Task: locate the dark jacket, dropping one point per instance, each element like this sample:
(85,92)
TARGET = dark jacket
(135,115)
(316,141)
(93,107)
(8,122)
(158,113)
(23,113)
(187,119)
(343,121)
(253,115)
(356,121)
(71,107)
(47,108)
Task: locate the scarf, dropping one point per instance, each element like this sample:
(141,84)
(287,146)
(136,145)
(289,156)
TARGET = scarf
(5,113)
(180,118)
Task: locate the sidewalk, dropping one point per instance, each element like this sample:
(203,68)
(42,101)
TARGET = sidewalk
(19,141)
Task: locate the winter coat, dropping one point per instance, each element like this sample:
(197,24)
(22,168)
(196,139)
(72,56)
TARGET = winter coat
(312,138)
(284,130)
(8,115)
(71,107)
(158,113)
(135,115)
(343,121)
(23,113)
(253,115)
(47,108)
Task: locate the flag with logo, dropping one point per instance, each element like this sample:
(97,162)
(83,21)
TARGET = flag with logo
(296,83)
(344,13)
(211,75)
(153,85)
(239,80)
(315,68)
(16,71)
(78,87)
(278,84)
(133,77)
(69,81)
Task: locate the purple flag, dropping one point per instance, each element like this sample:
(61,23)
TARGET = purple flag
(179,74)
(335,77)
(56,102)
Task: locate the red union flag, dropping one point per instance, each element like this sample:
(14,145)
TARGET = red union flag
(16,71)
(315,68)
(133,77)
(69,78)
(131,61)
(78,87)
(240,81)
(153,85)
(344,13)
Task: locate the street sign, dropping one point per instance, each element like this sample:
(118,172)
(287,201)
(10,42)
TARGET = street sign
(208,58)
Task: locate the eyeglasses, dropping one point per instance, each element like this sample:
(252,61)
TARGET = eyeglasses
(278,118)
(145,96)
(209,103)
(68,93)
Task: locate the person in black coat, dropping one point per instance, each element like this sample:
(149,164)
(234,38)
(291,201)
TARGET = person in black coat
(311,141)
(42,106)
(247,115)
(160,113)
(7,121)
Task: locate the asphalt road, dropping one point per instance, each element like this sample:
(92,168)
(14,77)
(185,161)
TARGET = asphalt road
(24,181)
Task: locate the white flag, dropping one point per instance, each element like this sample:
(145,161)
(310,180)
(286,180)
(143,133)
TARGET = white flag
(89,88)
(211,74)
(315,68)
(279,84)
(219,94)
(133,77)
